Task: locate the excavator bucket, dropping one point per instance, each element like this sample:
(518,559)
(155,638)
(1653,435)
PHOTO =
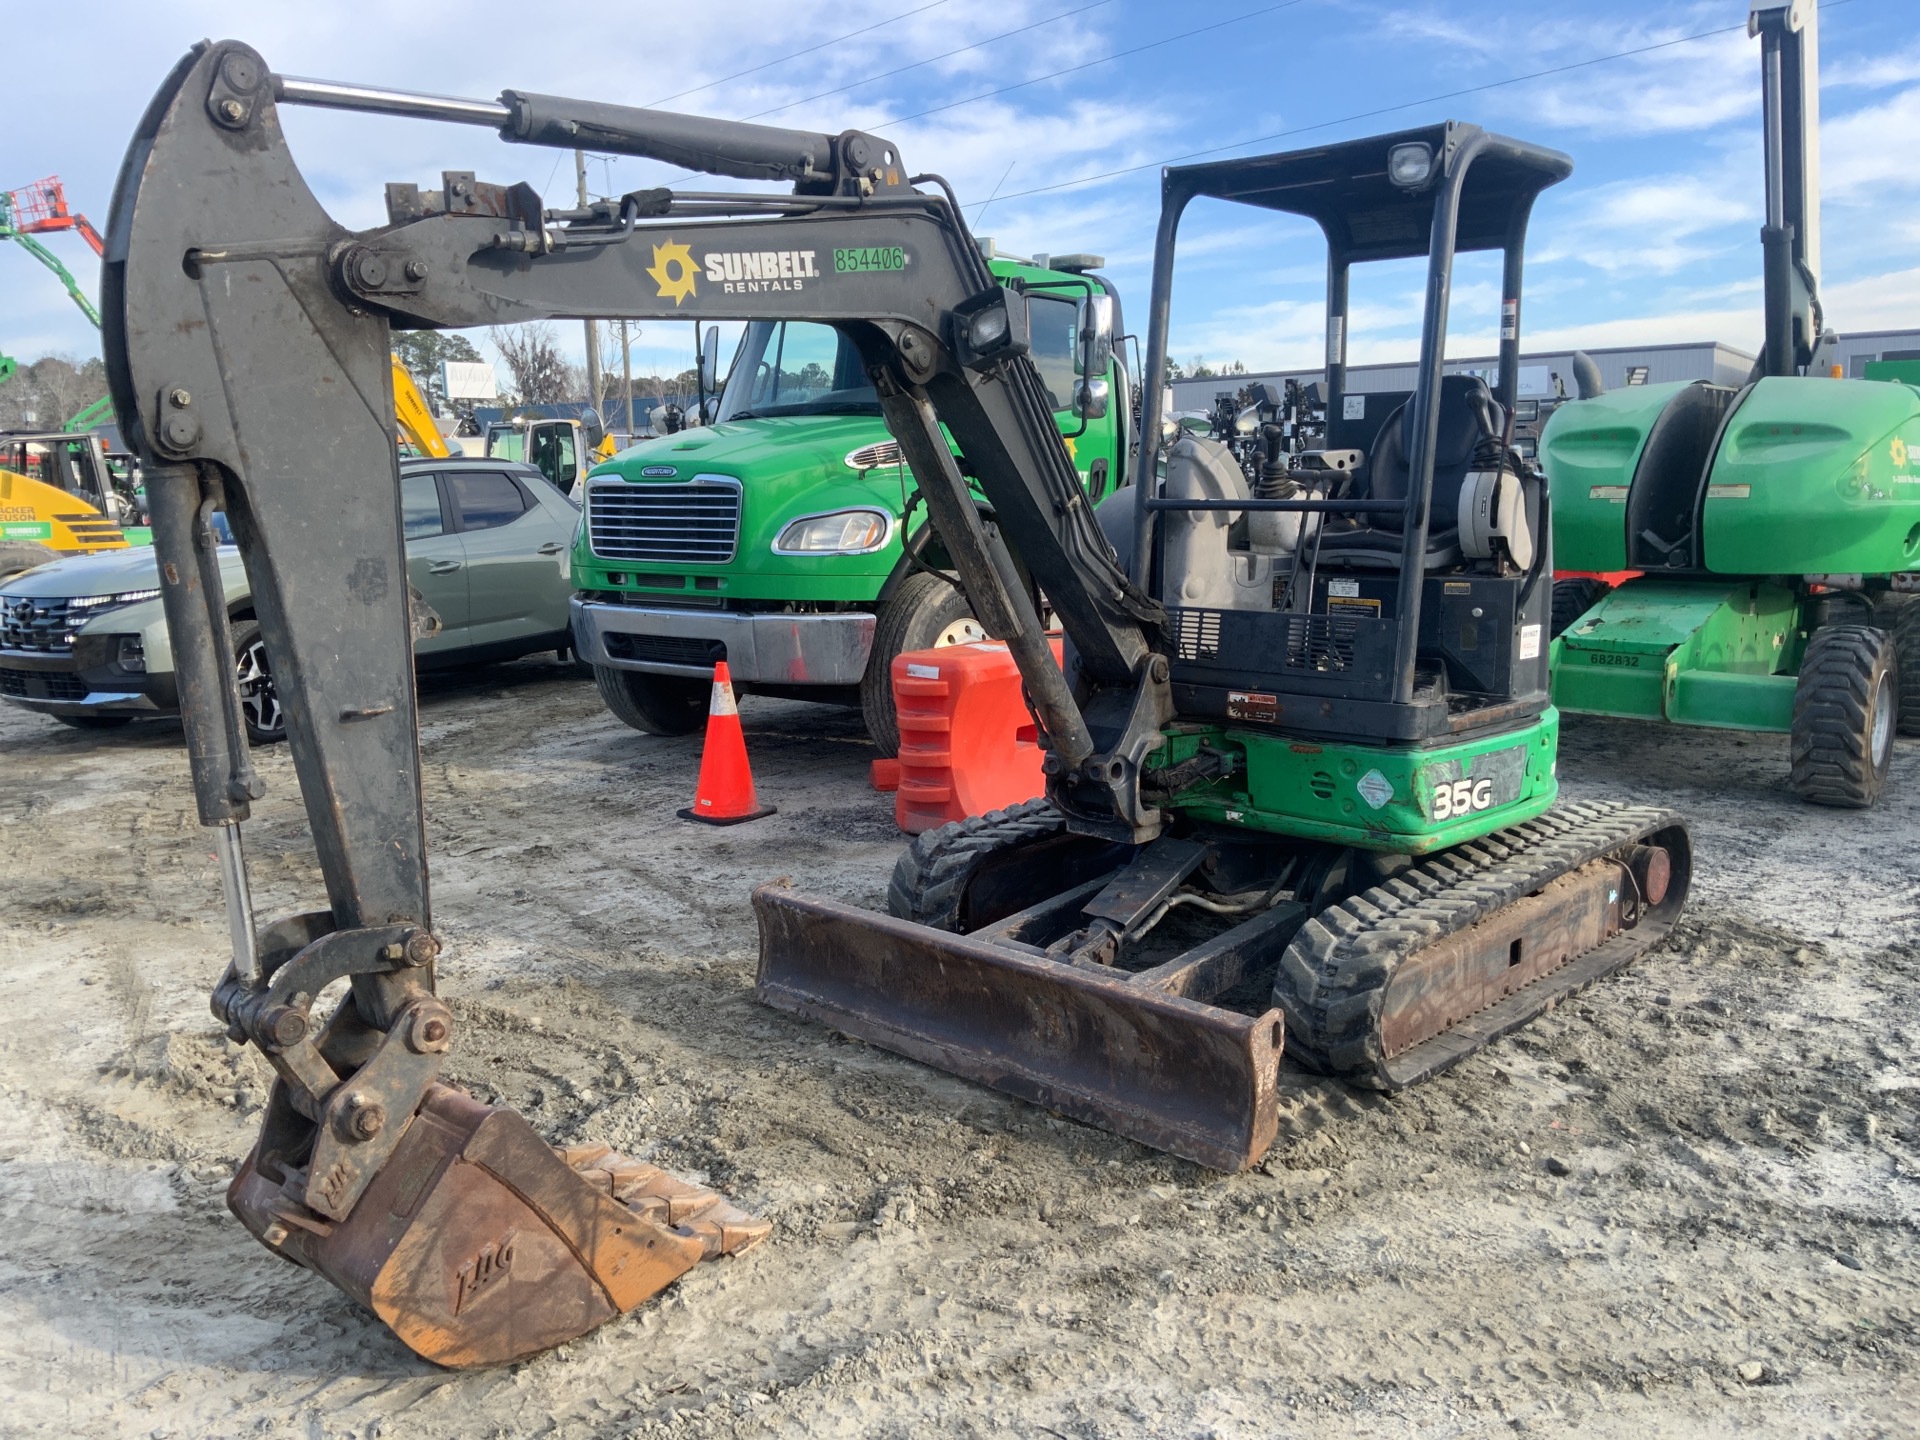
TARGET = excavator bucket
(478,1243)
(1115,1049)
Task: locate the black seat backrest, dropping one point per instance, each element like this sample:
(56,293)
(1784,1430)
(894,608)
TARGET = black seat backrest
(1468,415)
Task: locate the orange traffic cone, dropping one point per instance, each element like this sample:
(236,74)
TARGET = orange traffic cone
(725,793)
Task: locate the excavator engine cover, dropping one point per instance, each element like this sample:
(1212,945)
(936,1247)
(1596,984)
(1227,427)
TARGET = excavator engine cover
(478,1243)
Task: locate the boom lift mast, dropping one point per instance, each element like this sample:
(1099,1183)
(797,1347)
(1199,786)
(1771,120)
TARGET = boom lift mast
(39,209)
(247,342)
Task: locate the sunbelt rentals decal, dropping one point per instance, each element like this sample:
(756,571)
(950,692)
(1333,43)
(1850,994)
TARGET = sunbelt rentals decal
(679,274)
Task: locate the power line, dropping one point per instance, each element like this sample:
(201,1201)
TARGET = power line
(1391,109)
(1089,64)
(795,55)
(931,59)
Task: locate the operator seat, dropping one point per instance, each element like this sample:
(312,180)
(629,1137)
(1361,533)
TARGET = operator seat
(1469,417)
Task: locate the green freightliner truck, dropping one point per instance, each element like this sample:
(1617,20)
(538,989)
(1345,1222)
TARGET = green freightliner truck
(785,538)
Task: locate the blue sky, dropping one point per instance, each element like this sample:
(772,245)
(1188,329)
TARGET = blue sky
(1655,238)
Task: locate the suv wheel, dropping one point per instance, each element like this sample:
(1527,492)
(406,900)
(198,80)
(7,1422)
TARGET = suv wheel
(259,698)
(654,704)
(923,613)
(1844,710)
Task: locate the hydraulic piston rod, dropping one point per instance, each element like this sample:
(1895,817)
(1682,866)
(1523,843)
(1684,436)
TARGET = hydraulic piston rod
(750,152)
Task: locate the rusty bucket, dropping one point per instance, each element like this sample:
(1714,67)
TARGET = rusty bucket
(478,1243)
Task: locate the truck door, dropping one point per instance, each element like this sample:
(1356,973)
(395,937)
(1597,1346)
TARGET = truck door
(555,453)
(436,559)
(511,547)
(1056,328)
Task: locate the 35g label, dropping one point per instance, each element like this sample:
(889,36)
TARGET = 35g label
(1462,797)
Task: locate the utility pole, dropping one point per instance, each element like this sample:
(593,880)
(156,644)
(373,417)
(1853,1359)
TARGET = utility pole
(593,326)
(626,375)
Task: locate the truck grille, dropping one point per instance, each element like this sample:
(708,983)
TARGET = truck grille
(35,685)
(697,523)
(30,622)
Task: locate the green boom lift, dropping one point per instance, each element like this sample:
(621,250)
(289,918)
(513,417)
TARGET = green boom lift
(1775,526)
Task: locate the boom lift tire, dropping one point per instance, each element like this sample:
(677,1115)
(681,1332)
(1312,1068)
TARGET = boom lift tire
(1844,711)
(653,704)
(924,612)
(1572,598)
(19,555)
(1904,624)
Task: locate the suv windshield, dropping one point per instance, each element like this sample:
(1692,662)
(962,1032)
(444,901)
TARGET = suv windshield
(796,367)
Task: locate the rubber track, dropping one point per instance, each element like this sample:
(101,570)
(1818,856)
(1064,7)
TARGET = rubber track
(1832,740)
(930,879)
(1334,975)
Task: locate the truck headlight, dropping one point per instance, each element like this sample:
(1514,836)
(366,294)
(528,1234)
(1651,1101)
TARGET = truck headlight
(840,532)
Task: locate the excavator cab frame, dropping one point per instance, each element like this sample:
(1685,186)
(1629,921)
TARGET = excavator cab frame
(1430,193)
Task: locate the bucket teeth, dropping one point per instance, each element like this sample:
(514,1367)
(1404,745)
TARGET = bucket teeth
(651,1193)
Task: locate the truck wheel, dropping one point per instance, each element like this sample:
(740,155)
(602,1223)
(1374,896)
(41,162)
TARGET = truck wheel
(1905,625)
(923,613)
(1844,711)
(18,555)
(654,704)
(260,708)
(1572,599)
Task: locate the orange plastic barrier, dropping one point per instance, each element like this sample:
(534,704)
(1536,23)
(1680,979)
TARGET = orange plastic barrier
(967,743)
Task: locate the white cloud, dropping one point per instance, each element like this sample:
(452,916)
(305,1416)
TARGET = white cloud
(1868,154)
(1648,227)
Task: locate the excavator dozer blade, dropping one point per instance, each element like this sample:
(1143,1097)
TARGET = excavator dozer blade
(478,1243)
(1196,1080)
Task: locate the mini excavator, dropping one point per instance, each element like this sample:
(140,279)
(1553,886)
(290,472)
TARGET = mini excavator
(1300,761)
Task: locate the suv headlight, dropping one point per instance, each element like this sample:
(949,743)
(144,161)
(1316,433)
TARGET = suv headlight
(94,604)
(840,532)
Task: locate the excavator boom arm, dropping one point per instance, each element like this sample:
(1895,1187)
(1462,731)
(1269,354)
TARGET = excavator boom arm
(249,348)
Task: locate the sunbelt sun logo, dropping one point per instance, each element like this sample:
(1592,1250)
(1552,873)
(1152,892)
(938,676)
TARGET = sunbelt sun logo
(673,271)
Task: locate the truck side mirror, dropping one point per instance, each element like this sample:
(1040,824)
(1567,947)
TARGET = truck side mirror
(592,428)
(1091,395)
(1096,336)
(710,361)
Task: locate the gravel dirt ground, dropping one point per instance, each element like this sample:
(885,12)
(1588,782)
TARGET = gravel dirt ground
(1684,1203)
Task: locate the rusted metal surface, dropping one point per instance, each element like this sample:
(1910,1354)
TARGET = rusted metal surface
(1192,1079)
(1465,973)
(478,1244)
(1209,970)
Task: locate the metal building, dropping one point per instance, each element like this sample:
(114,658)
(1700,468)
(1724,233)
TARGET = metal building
(1548,374)
(1544,375)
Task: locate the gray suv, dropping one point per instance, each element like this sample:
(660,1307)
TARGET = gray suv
(84,639)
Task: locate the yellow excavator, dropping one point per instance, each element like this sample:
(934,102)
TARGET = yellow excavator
(419,432)
(57,497)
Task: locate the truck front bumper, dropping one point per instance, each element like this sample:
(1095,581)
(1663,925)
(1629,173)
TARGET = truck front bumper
(763,649)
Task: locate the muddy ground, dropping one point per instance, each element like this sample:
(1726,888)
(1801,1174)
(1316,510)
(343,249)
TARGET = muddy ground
(1683,1204)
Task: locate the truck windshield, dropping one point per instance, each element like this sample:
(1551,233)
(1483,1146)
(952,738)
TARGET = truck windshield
(795,367)
(505,442)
